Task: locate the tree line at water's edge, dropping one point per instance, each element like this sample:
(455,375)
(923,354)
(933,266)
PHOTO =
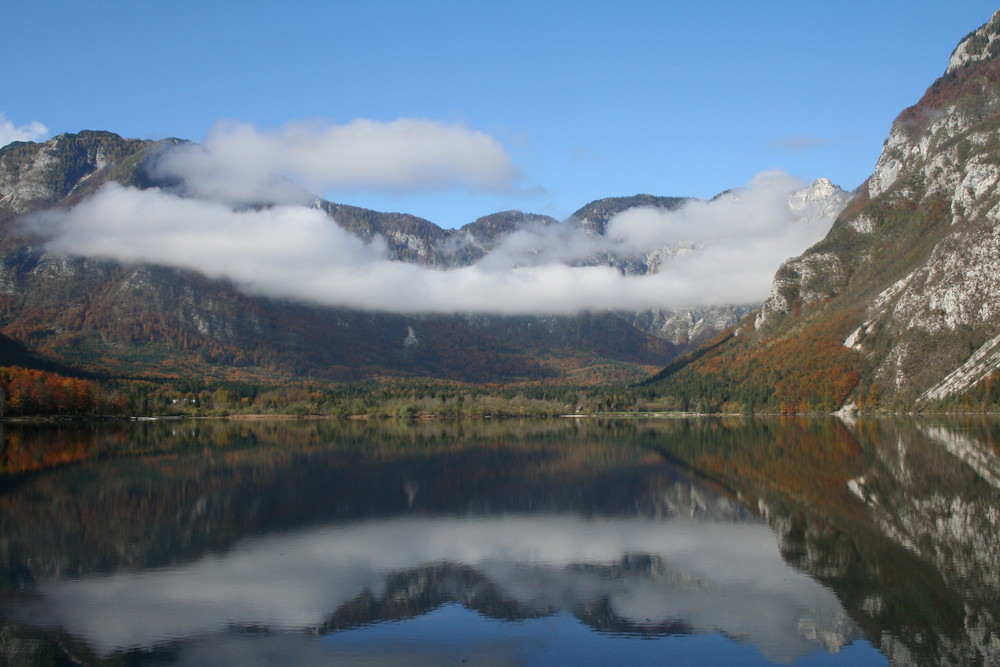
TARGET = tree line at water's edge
(732,388)
(28,393)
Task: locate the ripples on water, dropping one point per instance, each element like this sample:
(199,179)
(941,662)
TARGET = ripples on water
(556,542)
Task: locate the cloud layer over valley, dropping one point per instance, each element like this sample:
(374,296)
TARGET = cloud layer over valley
(723,251)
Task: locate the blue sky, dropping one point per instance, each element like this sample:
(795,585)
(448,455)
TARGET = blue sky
(587,99)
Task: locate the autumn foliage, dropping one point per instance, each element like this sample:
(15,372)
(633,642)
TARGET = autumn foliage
(25,392)
(809,370)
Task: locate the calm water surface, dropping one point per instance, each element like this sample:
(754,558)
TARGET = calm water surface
(701,541)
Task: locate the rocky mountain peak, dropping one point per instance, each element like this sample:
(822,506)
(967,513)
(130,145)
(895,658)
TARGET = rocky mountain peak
(820,199)
(33,174)
(978,45)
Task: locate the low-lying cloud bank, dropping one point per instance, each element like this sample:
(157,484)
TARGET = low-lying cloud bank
(723,251)
(728,251)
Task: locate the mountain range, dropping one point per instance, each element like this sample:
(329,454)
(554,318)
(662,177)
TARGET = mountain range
(141,319)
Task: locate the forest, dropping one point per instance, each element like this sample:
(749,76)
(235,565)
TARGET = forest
(29,393)
(36,394)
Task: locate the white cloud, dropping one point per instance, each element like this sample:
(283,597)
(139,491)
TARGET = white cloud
(539,245)
(758,211)
(238,162)
(30,132)
(734,244)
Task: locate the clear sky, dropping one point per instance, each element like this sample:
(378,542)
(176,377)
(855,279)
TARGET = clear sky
(586,99)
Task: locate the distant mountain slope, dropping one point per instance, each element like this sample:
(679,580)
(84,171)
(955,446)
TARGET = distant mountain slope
(900,303)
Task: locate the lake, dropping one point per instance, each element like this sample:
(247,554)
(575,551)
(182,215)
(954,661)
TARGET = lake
(802,541)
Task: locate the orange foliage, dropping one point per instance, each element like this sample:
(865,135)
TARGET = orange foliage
(21,453)
(809,370)
(25,391)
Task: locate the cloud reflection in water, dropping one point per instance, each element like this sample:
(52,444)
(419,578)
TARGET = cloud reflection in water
(702,576)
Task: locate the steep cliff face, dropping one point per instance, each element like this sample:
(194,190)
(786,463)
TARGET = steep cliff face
(927,240)
(909,276)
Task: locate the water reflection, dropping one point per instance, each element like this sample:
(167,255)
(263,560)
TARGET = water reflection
(777,537)
(898,516)
(675,576)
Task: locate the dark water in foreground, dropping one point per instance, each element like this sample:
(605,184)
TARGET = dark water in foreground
(701,541)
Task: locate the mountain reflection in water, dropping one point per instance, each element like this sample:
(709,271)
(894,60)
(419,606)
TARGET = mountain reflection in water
(308,541)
